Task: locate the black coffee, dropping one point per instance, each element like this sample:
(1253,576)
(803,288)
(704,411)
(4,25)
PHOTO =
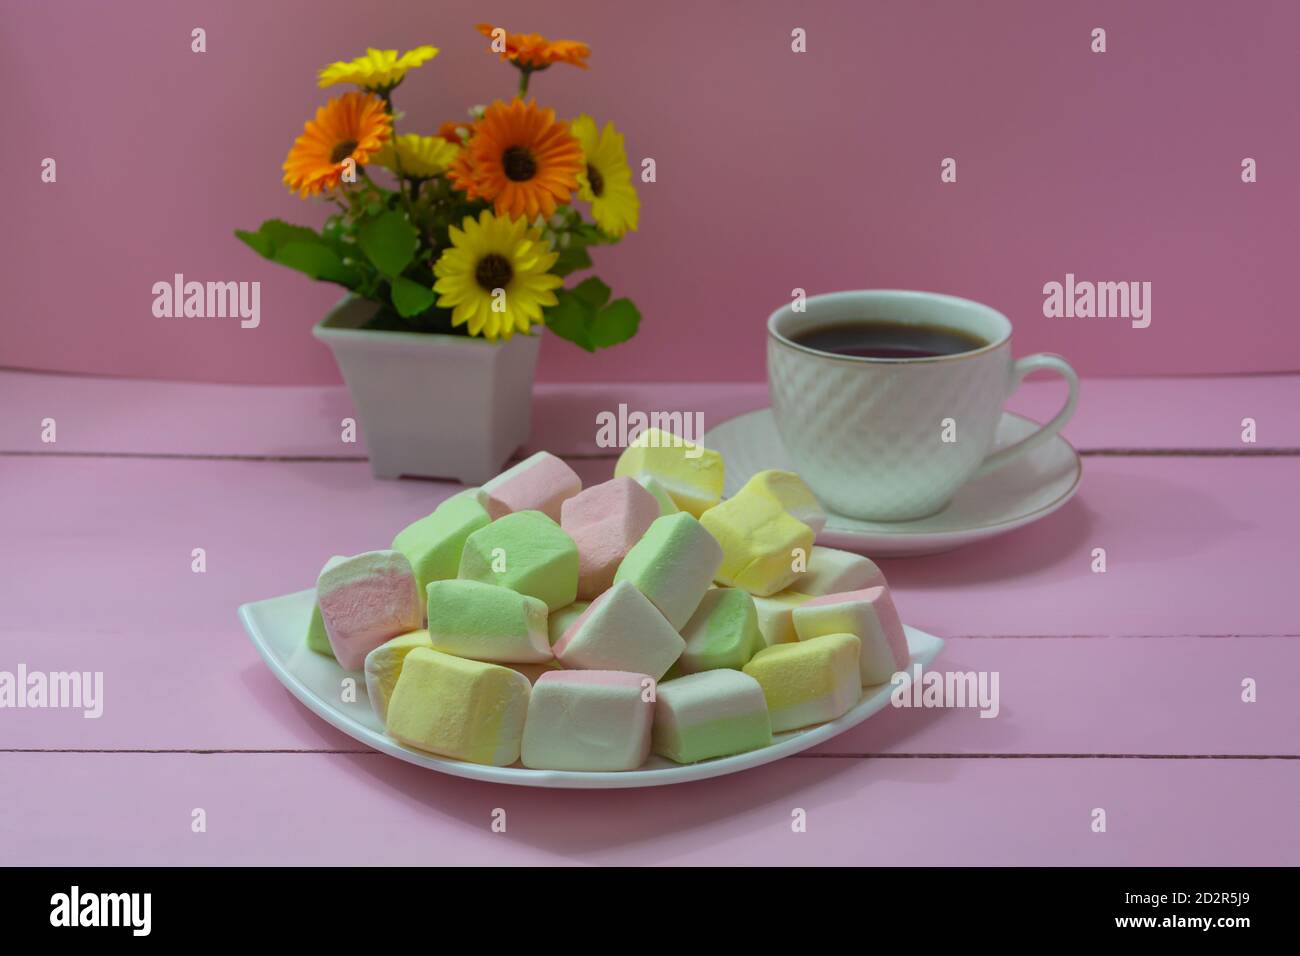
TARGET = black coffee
(881,338)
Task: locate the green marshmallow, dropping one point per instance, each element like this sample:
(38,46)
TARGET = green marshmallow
(317,639)
(434,544)
(487,623)
(527,552)
(723,632)
(710,714)
(673,565)
(715,738)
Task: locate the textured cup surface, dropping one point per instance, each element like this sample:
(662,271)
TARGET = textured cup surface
(868,435)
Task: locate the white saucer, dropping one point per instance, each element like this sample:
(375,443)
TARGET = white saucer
(277,627)
(1027,489)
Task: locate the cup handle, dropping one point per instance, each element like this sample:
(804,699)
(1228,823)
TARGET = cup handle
(1043,361)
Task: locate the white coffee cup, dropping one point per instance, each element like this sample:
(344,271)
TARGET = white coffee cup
(891,439)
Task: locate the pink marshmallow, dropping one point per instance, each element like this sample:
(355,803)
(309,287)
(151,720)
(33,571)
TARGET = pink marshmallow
(541,482)
(366,600)
(605,521)
(620,630)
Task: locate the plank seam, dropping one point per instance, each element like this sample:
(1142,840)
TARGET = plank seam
(1117,637)
(598,456)
(818,756)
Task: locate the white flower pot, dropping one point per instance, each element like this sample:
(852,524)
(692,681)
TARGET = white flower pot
(436,406)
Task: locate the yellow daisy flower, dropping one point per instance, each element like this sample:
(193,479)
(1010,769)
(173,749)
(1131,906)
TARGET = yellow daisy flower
(378,69)
(606,181)
(417,157)
(496,276)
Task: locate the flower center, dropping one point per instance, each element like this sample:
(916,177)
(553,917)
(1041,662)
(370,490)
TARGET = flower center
(343,150)
(493,272)
(597,181)
(519,164)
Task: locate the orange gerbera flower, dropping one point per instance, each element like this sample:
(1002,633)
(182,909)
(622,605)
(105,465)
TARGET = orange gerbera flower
(353,126)
(461,174)
(533,51)
(520,159)
(449,131)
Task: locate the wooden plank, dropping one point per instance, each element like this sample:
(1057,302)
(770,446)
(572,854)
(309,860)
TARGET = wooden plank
(123,416)
(1203,546)
(64,809)
(167,690)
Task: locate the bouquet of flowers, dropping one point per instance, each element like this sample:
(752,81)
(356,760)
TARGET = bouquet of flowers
(470,230)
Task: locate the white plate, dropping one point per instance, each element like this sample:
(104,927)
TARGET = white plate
(1027,489)
(278,627)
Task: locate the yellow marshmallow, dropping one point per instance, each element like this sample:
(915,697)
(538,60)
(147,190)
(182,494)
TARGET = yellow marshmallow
(790,492)
(763,545)
(384,664)
(808,682)
(469,710)
(776,616)
(691,474)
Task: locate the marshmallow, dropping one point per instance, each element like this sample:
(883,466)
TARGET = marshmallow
(487,623)
(317,639)
(588,720)
(539,483)
(808,682)
(384,666)
(604,521)
(434,543)
(723,632)
(459,708)
(789,491)
(557,622)
(710,714)
(761,543)
(365,600)
(776,618)
(691,474)
(621,630)
(673,565)
(651,484)
(526,552)
(830,571)
(870,616)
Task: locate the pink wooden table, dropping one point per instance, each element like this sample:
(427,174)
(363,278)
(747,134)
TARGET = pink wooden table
(1120,691)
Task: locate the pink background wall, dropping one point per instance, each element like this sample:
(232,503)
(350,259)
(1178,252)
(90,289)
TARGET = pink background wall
(776,170)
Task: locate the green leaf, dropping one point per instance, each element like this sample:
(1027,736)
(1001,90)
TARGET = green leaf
(616,323)
(593,292)
(571,319)
(273,234)
(583,317)
(301,248)
(588,234)
(410,298)
(388,241)
(316,259)
(573,257)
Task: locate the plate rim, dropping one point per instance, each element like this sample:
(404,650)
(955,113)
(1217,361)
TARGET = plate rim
(562,779)
(951,534)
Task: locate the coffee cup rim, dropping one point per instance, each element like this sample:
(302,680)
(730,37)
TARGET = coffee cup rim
(848,295)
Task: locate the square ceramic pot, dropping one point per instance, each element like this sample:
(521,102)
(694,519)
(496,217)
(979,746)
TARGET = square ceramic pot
(434,406)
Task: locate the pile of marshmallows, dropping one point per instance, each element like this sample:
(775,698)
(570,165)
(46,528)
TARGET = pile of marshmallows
(580,629)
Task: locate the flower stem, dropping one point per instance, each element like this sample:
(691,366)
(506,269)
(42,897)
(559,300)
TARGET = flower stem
(524,74)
